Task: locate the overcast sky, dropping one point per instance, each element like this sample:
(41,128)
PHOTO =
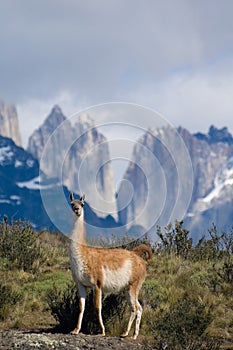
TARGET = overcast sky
(175,56)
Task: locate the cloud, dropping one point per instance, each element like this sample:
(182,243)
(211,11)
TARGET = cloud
(194,99)
(93,52)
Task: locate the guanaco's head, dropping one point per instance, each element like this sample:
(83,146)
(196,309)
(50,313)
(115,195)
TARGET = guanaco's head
(77,204)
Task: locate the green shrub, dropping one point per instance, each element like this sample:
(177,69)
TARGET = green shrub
(19,244)
(219,246)
(183,327)
(64,306)
(8,299)
(153,293)
(175,240)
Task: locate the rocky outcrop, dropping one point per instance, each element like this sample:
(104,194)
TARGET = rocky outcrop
(9,125)
(155,174)
(87,167)
(212,200)
(78,154)
(208,154)
(156,178)
(40,136)
(35,340)
(216,135)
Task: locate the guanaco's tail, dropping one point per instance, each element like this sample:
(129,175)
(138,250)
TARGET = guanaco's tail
(143,249)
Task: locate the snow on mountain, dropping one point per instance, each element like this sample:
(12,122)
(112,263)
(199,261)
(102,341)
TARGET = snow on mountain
(212,188)
(6,155)
(21,188)
(224,178)
(34,184)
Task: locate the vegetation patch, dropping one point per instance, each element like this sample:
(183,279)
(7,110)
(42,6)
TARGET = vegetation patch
(187,296)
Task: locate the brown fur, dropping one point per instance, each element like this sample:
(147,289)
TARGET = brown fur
(96,258)
(143,249)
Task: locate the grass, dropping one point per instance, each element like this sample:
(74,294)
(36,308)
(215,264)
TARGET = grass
(32,311)
(175,288)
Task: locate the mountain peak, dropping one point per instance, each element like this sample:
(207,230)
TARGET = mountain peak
(55,118)
(219,135)
(215,135)
(40,136)
(9,125)
(56,109)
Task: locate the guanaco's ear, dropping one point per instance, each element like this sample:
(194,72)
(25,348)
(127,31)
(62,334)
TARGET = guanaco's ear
(71,197)
(82,199)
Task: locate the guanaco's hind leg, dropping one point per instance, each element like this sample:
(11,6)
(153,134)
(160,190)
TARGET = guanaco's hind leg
(136,311)
(82,299)
(98,306)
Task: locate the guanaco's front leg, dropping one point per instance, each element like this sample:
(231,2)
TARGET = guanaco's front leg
(82,299)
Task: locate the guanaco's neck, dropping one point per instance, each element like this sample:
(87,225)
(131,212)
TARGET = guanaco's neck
(78,234)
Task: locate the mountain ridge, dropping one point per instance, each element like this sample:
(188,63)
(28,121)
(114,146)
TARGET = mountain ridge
(211,156)
(208,153)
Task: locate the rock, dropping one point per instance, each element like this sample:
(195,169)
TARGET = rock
(215,135)
(78,153)
(155,173)
(40,136)
(9,125)
(10,340)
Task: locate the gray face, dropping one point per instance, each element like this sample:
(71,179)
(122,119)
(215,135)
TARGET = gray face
(77,207)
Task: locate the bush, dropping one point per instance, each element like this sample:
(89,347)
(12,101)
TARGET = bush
(19,244)
(8,299)
(175,240)
(153,294)
(64,306)
(184,327)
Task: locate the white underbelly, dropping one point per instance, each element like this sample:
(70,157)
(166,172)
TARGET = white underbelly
(117,279)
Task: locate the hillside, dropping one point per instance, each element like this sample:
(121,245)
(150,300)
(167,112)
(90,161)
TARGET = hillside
(186,298)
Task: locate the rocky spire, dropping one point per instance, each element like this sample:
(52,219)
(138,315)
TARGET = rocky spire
(9,125)
(40,136)
(80,151)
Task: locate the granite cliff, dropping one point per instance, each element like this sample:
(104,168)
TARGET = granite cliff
(78,154)
(161,181)
(9,125)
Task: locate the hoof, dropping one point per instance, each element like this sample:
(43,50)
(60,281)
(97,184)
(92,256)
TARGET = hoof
(74,332)
(124,335)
